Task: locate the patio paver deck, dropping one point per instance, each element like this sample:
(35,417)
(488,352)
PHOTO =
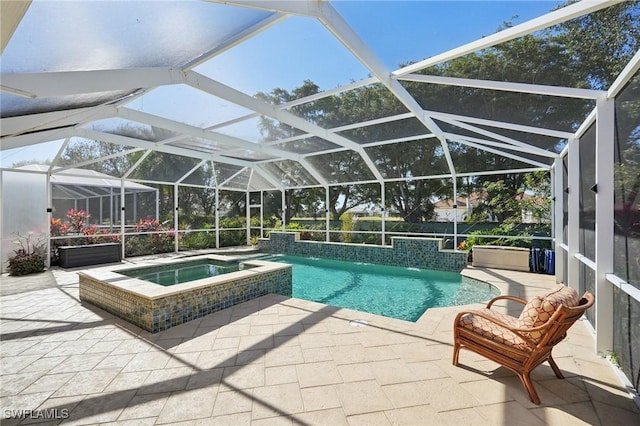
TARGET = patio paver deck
(278,360)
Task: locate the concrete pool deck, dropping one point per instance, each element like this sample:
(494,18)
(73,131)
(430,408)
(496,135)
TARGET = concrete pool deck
(278,360)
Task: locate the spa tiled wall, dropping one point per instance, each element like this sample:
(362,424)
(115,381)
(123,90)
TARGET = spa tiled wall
(165,312)
(404,251)
(121,303)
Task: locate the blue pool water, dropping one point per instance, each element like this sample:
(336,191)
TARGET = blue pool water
(396,292)
(182,272)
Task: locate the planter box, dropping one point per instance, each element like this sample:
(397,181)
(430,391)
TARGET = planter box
(90,254)
(512,258)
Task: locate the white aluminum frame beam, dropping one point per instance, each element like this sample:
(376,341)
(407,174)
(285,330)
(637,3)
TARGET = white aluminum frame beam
(373,122)
(500,172)
(573,213)
(443,116)
(28,139)
(501,125)
(508,140)
(400,140)
(545,21)
(193,169)
(623,78)
(502,145)
(136,164)
(586,124)
(300,101)
(139,143)
(216,88)
(232,177)
(304,8)
(346,127)
(62,148)
(605,223)
(465,141)
(557,198)
(535,89)
(15,126)
(197,132)
(244,35)
(95,160)
(50,84)
(336,24)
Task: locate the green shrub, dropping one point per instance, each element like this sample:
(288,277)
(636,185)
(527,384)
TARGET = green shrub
(294,226)
(231,238)
(138,245)
(233,222)
(199,240)
(25,264)
(474,238)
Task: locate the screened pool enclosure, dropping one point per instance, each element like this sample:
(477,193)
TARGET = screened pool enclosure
(175,126)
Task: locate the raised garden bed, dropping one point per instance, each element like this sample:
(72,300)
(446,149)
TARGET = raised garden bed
(501,257)
(89,254)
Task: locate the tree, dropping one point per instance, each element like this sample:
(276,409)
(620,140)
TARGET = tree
(604,40)
(343,166)
(535,196)
(28,162)
(500,201)
(530,60)
(586,52)
(87,150)
(412,200)
(233,204)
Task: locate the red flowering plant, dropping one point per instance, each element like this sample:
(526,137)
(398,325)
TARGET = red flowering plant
(76,224)
(59,228)
(148,225)
(465,246)
(77,219)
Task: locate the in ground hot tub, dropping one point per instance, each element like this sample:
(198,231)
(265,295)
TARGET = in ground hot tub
(156,307)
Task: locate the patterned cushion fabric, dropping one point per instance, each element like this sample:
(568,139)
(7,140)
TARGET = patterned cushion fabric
(493,331)
(539,309)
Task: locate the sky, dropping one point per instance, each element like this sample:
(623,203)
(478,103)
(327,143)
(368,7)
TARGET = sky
(398,32)
(283,56)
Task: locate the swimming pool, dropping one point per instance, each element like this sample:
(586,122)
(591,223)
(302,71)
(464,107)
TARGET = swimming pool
(396,292)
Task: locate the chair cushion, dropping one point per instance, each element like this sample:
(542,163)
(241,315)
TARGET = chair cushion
(493,331)
(539,309)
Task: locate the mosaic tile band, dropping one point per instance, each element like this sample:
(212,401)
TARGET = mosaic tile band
(425,253)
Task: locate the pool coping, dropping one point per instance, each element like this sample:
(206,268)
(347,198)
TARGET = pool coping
(491,277)
(156,292)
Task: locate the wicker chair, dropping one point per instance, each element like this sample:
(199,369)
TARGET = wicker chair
(521,344)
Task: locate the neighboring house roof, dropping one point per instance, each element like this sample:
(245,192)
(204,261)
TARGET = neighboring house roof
(447,203)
